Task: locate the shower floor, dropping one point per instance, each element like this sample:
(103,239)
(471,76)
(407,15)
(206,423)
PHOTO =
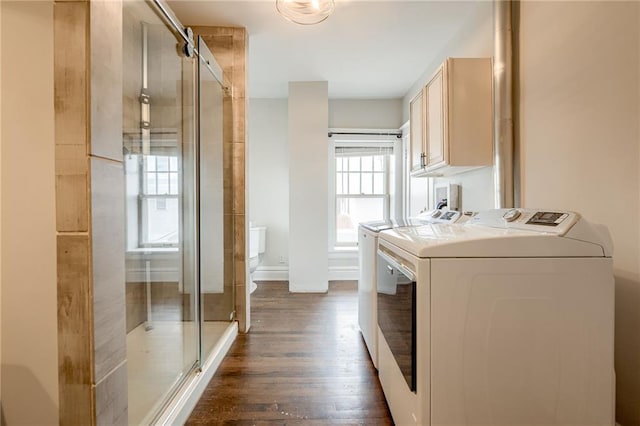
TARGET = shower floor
(157,358)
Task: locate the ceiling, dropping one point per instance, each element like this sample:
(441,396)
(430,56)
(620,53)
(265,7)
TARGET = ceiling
(365,50)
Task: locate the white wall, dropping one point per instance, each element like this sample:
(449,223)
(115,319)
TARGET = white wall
(268,161)
(474,40)
(365,113)
(29,302)
(269,173)
(477,189)
(359,114)
(308,186)
(579,115)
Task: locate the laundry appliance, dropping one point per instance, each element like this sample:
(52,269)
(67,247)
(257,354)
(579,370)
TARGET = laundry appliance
(367,253)
(504,320)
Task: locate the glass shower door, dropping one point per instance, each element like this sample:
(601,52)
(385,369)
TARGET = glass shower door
(216,276)
(179,253)
(159,148)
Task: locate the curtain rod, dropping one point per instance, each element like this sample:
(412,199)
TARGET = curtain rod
(396,134)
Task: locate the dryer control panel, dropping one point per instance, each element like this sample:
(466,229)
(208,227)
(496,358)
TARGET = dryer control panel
(440,216)
(539,220)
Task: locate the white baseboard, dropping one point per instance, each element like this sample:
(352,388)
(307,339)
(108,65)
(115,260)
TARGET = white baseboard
(340,273)
(281,273)
(271,273)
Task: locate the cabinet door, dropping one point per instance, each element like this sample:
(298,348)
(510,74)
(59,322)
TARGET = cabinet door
(416,129)
(435,141)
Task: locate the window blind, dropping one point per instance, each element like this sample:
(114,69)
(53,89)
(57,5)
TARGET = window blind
(362,151)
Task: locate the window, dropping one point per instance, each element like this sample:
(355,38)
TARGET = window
(159,203)
(361,193)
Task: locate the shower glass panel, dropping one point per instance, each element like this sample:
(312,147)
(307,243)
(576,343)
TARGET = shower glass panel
(160,150)
(216,284)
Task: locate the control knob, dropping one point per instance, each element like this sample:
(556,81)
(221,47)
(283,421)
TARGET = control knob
(511,215)
(436,214)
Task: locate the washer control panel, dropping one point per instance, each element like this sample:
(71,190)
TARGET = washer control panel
(450,216)
(549,221)
(547,218)
(438,216)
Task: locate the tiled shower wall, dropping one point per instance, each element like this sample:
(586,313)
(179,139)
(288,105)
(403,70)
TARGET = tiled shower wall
(90,212)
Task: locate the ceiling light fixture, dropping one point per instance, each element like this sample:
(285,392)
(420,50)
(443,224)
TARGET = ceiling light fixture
(305,12)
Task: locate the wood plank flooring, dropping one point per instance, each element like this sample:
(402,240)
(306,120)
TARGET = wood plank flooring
(303,362)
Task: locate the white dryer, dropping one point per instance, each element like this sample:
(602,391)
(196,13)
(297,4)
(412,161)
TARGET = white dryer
(505,320)
(367,249)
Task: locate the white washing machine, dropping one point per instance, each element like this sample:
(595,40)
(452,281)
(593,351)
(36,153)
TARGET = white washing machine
(367,248)
(505,320)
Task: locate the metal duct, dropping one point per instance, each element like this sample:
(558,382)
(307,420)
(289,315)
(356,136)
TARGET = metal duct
(503,140)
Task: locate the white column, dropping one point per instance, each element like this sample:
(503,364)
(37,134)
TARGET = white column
(308,187)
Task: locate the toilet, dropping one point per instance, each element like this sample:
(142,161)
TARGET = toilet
(257,244)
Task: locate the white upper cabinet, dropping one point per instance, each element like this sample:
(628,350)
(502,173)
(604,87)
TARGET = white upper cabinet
(416,126)
(435,148)
(453,119)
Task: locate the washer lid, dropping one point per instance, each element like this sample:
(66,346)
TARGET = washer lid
(377,226)
(481,241)
(381,225)
(430,217)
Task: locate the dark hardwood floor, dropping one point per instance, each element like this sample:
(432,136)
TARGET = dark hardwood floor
(303,362)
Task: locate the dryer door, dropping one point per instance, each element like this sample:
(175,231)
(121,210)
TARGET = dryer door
(396,306)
